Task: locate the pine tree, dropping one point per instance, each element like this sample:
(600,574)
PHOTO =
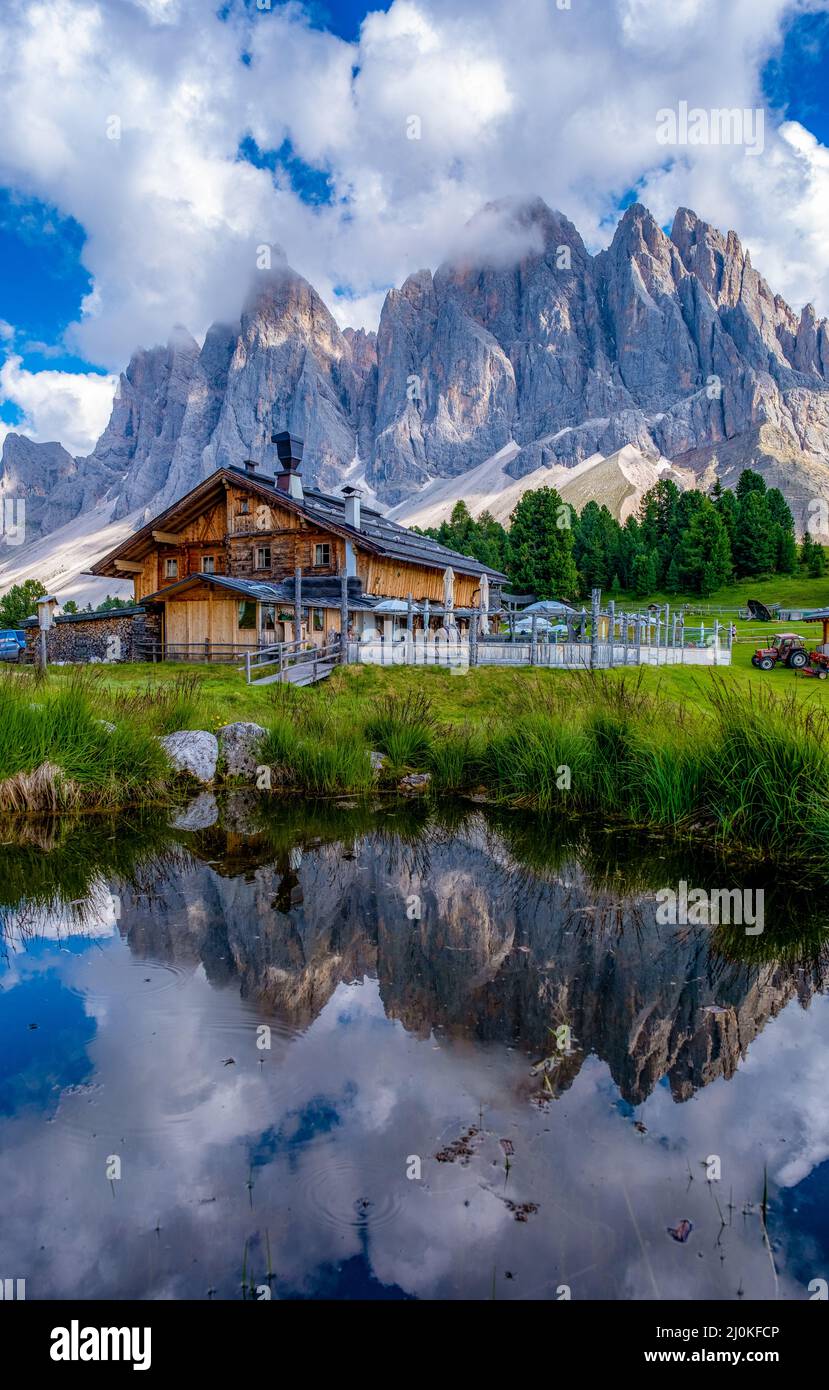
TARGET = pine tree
(755,544)
(672,582)
(806,547)
(726,504)
(785,560)
(643,577)
(749,481)
(703,557)
(540,552)
(657,515)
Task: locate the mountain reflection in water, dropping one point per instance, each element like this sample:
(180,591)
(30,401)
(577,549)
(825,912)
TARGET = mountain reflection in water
(408,971)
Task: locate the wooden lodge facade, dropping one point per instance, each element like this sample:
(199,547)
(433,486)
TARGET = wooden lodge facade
(220,567)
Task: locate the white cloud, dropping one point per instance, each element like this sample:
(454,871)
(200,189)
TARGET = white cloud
(72,407)
(559,103)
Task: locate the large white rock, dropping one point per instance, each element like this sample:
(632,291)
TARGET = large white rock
(239,744)
(193,751)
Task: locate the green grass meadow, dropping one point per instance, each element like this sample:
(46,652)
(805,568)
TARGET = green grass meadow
(733,756)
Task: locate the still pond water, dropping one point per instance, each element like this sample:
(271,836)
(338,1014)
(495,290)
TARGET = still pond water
(402,1135)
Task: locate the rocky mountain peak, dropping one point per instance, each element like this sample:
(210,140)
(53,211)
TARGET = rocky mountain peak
(521,337)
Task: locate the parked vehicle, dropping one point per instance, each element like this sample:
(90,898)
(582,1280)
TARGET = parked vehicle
(786,649)
(12,643)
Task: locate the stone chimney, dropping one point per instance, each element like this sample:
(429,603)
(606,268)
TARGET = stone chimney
(250,467)
(289,451)
(352,497)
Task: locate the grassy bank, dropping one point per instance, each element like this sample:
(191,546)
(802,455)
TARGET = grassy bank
(740,763)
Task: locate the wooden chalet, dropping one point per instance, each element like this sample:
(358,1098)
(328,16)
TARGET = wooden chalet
(221,566)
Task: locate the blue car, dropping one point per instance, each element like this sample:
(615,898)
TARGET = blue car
(12,643)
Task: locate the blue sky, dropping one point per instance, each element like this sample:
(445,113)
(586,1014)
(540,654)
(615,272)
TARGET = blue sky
(314,112)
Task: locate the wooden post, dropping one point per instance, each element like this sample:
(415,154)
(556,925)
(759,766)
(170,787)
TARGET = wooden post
(343,615)
(595,600)
(409,615)
(637,637)
(624,621)
(473,637)
(611,626)
(247,667)
(533,638)
(297,604)
(716,640)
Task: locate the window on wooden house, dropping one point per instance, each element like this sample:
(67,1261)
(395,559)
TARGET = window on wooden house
(170,568)
(318,619)
(244,506)
(247,613)
(208,564)
(267,618)
(263,557)
(322,554)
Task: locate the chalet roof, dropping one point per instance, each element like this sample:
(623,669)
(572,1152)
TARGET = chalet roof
(316,593)
(393,539)
(97,617)
(376,534)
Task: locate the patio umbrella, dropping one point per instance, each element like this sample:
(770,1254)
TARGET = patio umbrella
(484,620)
(448,591)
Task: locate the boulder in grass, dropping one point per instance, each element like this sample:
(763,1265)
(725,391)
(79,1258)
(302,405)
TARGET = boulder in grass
(378,761)
(239,746)
(193,751)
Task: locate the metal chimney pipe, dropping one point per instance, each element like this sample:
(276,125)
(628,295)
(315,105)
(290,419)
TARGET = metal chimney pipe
(352,497)
(289,450)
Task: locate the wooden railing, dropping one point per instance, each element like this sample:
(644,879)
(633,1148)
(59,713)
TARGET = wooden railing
(287,654)
(154,649)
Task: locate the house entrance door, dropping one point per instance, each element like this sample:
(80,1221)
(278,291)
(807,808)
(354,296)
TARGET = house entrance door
(270,628)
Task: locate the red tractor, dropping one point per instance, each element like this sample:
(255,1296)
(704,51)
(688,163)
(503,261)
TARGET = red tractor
(786,649)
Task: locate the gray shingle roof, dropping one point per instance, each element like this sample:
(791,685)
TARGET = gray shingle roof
(316,593)
(389,537)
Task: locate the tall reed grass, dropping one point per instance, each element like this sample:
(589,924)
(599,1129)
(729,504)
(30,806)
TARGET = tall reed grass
(747,772)
(57,750)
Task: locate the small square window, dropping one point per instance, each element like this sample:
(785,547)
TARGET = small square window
(171,569)
(319,621)
(263,557)
(208,564)
(322,555)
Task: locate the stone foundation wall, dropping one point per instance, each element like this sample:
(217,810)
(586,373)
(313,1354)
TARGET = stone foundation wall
(113,636)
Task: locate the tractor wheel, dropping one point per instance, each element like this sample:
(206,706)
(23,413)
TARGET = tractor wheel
(755,661)
(766,663)
(798,659)
(821,675)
